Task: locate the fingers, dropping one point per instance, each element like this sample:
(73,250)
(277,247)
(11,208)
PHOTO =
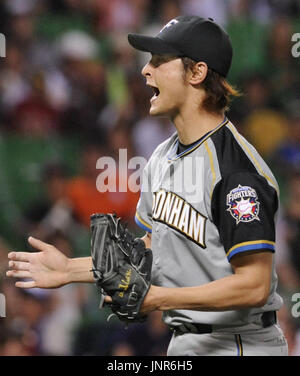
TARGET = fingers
(26,256)
(108,299)
(19,256)
(21,270)
(18,274)
(25,284)
(38,244)
(17,265)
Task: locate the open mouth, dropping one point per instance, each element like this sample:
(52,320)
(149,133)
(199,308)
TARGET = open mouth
(155,92)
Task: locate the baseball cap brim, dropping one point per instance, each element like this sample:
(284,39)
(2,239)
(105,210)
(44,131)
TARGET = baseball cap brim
(153,45)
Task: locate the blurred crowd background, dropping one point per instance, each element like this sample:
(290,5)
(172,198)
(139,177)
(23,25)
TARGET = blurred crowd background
(70,92)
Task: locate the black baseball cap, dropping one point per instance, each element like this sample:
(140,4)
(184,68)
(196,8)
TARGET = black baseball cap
(195,37)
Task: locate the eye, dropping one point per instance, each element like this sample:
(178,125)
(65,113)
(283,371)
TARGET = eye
(157,60)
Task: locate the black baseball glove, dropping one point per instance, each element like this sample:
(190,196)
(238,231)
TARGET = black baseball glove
(121,266)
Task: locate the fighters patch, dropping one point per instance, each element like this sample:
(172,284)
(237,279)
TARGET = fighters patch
(243,204)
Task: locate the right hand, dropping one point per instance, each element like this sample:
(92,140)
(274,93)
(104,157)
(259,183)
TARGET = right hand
(45,269)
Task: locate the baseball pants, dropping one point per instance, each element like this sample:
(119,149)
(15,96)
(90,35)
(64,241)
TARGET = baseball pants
(262,342)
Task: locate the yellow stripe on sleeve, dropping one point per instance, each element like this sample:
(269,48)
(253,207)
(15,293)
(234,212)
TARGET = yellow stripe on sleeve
(142,221)
(211,166)
(253,158)
(245,244)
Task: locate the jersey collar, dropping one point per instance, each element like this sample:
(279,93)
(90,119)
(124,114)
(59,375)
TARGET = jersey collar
(173,156)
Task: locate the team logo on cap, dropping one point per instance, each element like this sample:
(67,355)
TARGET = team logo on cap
(169,24)
(242,204)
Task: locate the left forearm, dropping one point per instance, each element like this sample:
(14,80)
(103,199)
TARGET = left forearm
(80,270)
(228,293)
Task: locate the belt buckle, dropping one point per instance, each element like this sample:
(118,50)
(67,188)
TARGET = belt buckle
(268,318)
(190,328)
(183,328)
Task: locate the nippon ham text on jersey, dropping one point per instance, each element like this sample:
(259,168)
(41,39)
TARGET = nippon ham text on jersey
(172,210)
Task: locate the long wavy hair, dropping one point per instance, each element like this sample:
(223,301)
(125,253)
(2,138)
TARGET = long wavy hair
(219,92)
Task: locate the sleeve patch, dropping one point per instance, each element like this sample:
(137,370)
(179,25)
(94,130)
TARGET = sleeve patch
(243,204)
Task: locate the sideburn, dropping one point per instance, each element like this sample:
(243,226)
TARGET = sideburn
(219,92)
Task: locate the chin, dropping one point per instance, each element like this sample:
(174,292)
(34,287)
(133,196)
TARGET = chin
(156,111)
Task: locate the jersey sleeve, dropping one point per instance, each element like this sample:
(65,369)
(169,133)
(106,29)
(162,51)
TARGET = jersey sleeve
(243,209)
(143,215)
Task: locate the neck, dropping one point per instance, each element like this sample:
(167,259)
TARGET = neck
(192,125)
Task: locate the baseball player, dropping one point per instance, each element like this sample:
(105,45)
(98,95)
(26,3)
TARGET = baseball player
(208,205)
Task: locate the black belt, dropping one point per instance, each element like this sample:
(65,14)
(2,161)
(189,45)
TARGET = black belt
(267,319)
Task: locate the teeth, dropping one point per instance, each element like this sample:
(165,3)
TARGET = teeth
(155,90)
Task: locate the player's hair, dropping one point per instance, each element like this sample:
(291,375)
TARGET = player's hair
(219,92)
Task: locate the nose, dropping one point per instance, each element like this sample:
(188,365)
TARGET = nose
(146,71)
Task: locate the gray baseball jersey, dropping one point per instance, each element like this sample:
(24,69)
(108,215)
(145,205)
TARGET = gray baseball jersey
(204,205)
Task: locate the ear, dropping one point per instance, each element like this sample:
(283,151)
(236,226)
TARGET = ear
(198,74)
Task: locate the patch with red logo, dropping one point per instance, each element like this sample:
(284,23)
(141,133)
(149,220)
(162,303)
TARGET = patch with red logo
(243,204)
